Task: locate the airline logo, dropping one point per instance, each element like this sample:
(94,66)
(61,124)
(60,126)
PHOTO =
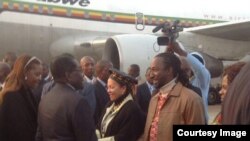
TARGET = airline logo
(80,9)
(63,3)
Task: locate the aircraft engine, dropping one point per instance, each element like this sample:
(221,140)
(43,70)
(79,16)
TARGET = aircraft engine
(127,49)
(123,50)
(214,65)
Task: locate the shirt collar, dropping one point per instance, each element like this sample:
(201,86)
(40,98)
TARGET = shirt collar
(102,82)
(151,87)
(88,79)
(47,77)
(168,87)
(70,86)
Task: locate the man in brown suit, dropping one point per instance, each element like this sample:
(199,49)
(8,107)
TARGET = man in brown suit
(174,103)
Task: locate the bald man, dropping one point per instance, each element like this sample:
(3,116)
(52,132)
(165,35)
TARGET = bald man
(134,71)
(88,68)
(4,71)
(88,92)
(10,58)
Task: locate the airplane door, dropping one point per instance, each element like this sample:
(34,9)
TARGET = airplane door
(139,21)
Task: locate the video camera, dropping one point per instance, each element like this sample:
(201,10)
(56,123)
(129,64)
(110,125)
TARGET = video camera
(171,32)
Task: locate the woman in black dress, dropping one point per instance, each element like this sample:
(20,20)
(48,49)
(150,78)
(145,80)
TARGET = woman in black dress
(122,119)
(18,107)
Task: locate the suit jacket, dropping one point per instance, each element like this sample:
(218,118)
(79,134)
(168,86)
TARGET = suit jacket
(102,98)
(88,93)
(38,90)
(18,116)
(65,115)
(143,97)
(183,106)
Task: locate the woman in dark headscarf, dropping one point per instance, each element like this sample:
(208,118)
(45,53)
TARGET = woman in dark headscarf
(122,119)
(18,107)
(236,104)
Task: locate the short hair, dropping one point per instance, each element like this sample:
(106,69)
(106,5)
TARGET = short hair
(137,67)
(232,71)
(83,59)
(10,58)
(12,55)
(100,65)
(62,64)
(4,66)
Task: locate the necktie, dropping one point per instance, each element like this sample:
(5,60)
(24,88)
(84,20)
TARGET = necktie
(154,124)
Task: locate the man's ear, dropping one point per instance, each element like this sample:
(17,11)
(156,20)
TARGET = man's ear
(67,75)
(170,71)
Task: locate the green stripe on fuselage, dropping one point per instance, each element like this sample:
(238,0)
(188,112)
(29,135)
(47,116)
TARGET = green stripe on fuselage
(114,16)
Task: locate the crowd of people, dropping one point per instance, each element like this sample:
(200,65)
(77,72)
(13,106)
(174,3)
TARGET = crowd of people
(85,100)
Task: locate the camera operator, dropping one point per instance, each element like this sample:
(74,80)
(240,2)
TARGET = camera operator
(200,76)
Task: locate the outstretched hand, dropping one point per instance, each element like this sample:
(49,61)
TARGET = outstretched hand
(174,47)
(169,48)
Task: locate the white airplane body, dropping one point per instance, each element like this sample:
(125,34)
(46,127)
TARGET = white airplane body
(46,28)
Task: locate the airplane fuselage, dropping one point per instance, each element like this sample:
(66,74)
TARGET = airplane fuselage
(46,28)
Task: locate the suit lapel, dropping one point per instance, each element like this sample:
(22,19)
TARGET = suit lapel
(152,110)
(146,91)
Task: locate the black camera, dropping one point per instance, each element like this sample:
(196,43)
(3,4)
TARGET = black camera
(170,31)
(163,40)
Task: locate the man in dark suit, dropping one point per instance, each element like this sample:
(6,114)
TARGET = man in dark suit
(46,77)
(88,68)
(88,93)
(102,72)
(63,113)
(144,92)
(134,71)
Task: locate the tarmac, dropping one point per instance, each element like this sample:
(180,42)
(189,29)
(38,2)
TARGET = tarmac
(213,110)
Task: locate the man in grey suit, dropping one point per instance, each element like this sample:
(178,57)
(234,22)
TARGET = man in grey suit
(144,92)
(63,114)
